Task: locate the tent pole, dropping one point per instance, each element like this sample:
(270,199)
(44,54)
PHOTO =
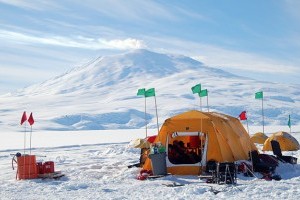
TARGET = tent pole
(156,115)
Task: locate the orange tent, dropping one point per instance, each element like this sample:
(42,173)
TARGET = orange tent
(287,142)
(221,138)
(259,138)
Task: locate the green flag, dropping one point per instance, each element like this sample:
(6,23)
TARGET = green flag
(259,95)
(141,92)
(150,92)
(203,93)
(196,89)
(289,122)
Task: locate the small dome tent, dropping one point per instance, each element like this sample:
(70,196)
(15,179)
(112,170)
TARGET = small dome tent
(221,138)
(259,138)
(287,142)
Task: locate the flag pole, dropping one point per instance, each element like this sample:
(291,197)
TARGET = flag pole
(247,127)
(24,137)
(156,114)
(142,91)
(24,160)
(200,104)
(207,102)
(146,118)
(290,124)
(30,146)
(30,140)
(250,146)
(262,111)
(196,89)
(243,116)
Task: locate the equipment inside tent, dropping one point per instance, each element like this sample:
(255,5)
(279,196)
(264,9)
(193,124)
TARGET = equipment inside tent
(259,138)
(286,141)
(205,136)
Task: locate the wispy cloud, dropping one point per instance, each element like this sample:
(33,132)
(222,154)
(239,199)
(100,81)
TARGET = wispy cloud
(209,54)
(245,61)
(217,56)
(76,42)
(131,10)
(136,11)
(31,4)
(128,43)
(190,14)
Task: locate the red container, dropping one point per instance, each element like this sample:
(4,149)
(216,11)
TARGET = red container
(48,167)
(40,168)
(27,167)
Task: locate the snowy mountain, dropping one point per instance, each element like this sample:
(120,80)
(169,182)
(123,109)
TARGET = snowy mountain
(102,94)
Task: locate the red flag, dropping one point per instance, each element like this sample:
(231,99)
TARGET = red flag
(24,117)
(30,119)
(151,138)
(243,116)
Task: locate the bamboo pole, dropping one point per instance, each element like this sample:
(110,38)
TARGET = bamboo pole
(146,117)
(156,115)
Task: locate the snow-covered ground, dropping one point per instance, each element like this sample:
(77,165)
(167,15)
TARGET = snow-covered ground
(95,164)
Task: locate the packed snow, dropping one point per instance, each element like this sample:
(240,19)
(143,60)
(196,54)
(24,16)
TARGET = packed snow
(95,167)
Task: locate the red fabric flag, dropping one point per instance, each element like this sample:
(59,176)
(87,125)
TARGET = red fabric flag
(24,117)
(151,138)
(30,119)
(243,116)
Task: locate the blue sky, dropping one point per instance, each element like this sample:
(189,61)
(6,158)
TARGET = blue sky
(40,39)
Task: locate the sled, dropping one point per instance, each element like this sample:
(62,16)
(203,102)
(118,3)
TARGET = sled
(55,175)
(173,184)
(157,176)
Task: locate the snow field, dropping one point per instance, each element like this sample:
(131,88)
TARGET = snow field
(99,171)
